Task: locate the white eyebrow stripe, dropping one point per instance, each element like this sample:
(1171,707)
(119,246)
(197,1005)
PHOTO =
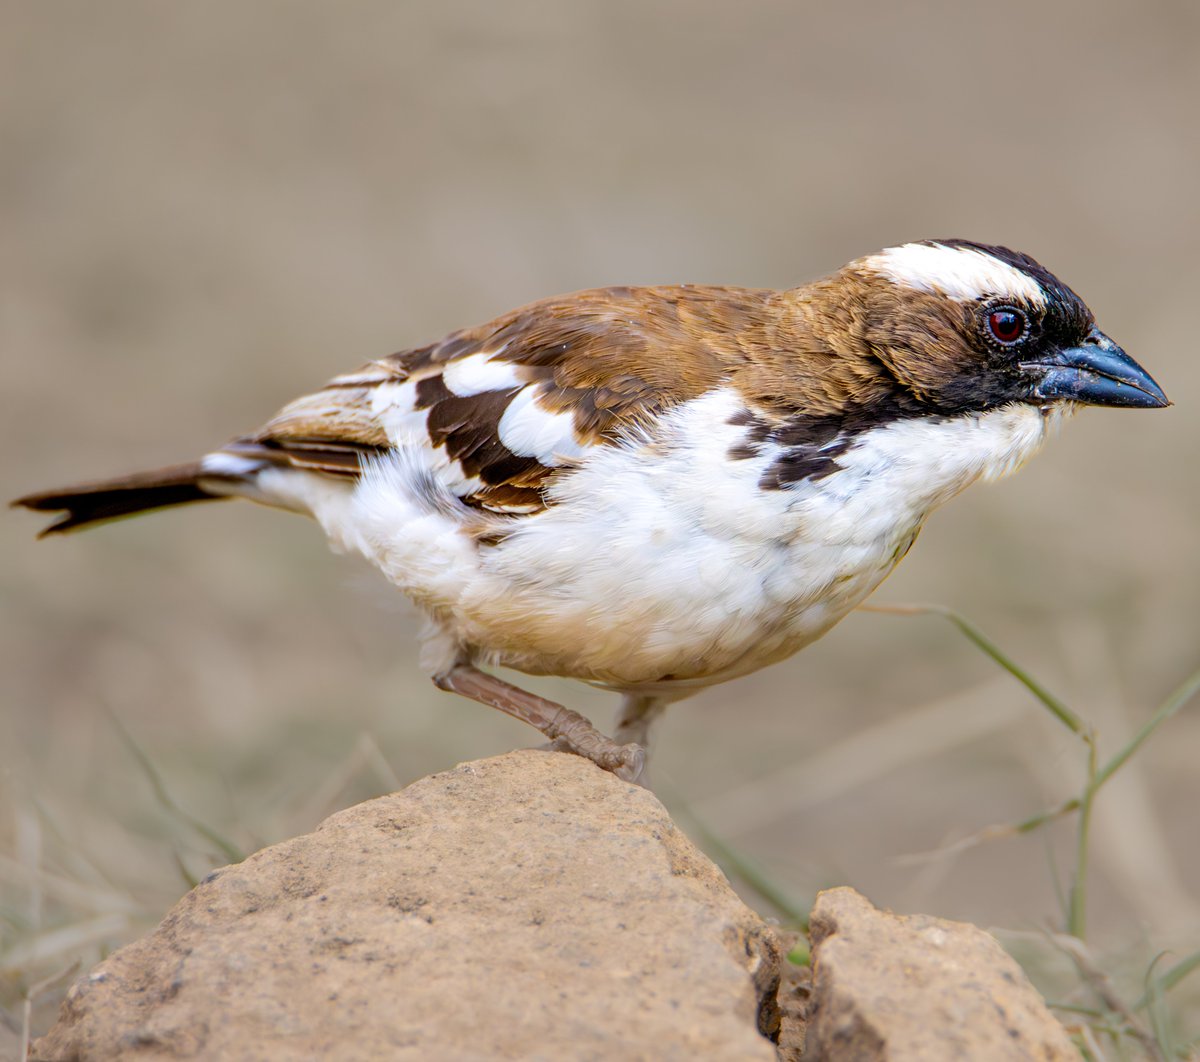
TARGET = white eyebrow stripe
(528,430)
(963,273)
(478,373)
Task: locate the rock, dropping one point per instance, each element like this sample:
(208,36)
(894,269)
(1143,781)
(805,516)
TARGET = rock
(532,906)
(912,987)
(794,1000)
(528,906)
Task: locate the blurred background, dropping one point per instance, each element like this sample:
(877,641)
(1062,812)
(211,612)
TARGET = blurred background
(209,208)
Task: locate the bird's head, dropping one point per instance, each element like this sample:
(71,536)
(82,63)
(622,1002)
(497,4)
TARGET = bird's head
(967,326)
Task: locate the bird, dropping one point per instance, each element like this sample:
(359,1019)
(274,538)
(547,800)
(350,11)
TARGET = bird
(658,489)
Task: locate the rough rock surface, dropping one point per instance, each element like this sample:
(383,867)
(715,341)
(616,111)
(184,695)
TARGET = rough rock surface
(906,987)
(528,906)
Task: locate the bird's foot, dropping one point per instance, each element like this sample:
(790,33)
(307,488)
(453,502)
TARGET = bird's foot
(627,762)
(568,730)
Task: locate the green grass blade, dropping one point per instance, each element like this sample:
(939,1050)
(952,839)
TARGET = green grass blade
(1164,983)
(744,868)
(973,634)
(1077,898)
(189,879)
(1043,817)
(1168,708)
(1075,1008)
(754,876)
(1156,1009)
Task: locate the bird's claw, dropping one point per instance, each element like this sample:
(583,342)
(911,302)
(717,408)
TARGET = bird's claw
(630,763)
(627,762)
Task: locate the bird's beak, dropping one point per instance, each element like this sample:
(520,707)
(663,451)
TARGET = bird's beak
(1099,373)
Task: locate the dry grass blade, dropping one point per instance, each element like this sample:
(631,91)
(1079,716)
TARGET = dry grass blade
(227,848)
(73,894)
(1088,1043)
(36,990)
(996,832)
(53,943)
(1097,980)
(365,755)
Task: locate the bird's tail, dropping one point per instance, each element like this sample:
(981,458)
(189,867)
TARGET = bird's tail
(111,499)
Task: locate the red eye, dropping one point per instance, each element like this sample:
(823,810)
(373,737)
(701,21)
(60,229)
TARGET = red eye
(1007,326)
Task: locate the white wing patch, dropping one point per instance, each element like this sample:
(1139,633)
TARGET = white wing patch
(395,407)
(223,464)
(962,273)
(478,373)
(530,431)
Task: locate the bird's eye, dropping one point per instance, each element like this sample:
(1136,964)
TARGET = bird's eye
(1007,326)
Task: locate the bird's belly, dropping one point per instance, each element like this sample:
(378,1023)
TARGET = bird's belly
(687,609)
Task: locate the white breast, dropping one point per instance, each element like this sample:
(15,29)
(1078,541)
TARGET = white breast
(664,561)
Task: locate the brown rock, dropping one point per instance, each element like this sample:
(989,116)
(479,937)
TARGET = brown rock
(907,987)
(528,906)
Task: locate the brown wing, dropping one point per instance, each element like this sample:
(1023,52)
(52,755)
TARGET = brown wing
(614,356)
(587,366)
(331,430)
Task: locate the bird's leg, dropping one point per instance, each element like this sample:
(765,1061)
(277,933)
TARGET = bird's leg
(638,711)
(568,729)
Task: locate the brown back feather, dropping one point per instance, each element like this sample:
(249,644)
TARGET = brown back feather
(614,358)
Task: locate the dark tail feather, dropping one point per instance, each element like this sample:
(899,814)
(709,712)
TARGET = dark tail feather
(111,499)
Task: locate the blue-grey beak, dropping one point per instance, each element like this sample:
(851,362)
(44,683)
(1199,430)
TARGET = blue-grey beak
(1099,373)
